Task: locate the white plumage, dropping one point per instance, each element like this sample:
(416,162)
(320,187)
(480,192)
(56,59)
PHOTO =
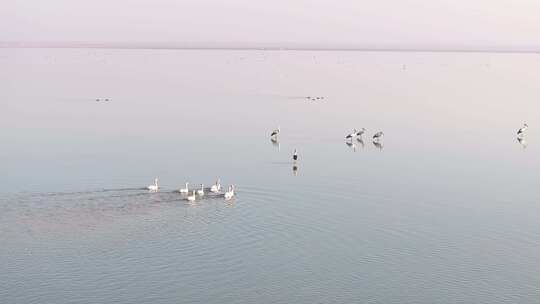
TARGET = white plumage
(155,186)
(230,192)
(216,187)
(185,190)
(191,198)
(201,191)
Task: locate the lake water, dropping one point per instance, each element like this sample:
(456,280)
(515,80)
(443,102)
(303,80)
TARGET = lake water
(445,211)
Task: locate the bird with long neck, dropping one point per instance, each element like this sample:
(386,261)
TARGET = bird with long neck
(191,197)
(216,187)
(155,186)
(378,136)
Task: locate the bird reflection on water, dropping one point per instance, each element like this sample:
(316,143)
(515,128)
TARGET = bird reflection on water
(378,145)
(521,140)
(361,142)
(275,143)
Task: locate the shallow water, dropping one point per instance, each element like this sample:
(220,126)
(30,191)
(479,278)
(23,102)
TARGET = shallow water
(445,211)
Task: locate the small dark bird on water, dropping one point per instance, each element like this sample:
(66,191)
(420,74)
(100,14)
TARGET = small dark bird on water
(295,155)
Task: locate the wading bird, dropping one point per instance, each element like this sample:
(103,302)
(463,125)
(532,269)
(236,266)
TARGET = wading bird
(521,131)
(191,198)
(275,133)
(201,191)
(352,135)
(230,192)
(378,136)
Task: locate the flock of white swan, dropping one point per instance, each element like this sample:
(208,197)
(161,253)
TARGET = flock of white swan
(199,193)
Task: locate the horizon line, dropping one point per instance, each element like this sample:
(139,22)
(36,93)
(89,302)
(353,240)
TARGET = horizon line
(260,47)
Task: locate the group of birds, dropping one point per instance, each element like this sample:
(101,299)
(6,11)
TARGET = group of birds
(274,138)
(230,193)
(376,137)
(198,193)
(521,135)
(314,98)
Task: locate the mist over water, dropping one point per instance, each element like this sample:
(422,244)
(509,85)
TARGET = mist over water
(442,210)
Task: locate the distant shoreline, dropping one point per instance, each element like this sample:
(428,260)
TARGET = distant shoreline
(258,47)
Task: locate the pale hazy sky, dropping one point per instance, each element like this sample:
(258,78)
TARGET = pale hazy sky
(394,23)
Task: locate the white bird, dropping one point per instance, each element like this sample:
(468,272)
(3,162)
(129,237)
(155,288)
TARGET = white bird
(216,187)
(230,192)
(155,186)
(275,132)
(295,155)
(361,132)
(378,136)
(521,131)
(352,135)
(191,198)
(201,191)
(184,190)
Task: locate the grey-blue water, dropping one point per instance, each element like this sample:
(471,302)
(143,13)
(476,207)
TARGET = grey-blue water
(446,211)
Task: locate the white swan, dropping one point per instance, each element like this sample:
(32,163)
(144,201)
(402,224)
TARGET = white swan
(184,190)
(378,136)
(230,193)
(155,186)
(191,198)
(201,191)
(216,188)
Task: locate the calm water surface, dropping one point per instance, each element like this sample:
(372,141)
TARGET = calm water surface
(446,211)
